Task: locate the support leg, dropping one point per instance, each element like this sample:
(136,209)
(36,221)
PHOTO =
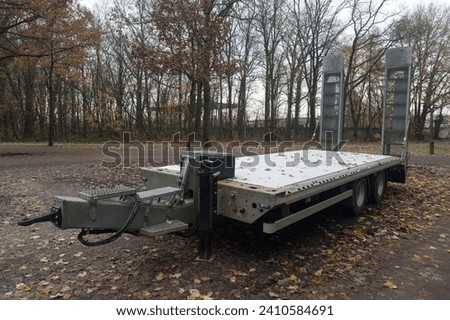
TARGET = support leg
(208,205)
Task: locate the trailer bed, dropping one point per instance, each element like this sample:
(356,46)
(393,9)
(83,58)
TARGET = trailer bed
(275,172)
(265,182)
(278,171)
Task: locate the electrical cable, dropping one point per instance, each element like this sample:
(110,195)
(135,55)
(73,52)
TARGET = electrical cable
(115,235)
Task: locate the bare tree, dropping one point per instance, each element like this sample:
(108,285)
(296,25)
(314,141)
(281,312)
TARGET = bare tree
(368,45)
(321,30)
(191,35)
(269,24)
(427,29)
(295,56)
(248,63)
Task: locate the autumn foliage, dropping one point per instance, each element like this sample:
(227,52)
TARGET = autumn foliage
(221,69)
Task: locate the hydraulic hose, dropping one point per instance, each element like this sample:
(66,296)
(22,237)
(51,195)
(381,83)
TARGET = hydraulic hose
(115,235)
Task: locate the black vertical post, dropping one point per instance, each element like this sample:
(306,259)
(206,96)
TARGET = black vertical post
(207,207)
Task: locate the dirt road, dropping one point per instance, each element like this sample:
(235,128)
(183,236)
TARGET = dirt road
(396,250)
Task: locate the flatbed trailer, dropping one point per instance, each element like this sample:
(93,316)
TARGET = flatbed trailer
(285,181)
(277,189)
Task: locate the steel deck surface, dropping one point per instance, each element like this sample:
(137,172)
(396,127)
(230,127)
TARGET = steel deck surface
(282,169)
(277,170)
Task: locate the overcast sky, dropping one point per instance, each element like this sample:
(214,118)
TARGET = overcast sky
(410,3)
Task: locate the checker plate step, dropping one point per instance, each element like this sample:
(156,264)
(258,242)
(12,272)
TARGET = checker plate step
(164,228)
(157,193)
(106,193)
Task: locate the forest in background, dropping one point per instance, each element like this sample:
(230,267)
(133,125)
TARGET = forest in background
(222,69)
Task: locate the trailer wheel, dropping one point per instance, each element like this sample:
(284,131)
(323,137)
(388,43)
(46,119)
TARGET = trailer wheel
(378,187)
(359,197)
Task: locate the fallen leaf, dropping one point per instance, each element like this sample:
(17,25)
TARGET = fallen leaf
(146,294)
(61,261)
(160,276)
(46,291)
(390,284)
(194,294)
(302,270)
(293,277)
(65,289)
(317,280)
(273,295)
(27,287)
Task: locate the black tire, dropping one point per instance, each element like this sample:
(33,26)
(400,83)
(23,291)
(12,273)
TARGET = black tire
(378,184)
(359,197)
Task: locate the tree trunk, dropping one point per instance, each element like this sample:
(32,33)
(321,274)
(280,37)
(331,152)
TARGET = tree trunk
(298,97)
(241,123)
(230,107)
(312,110)
(206,113)
(60,103)
(73,111)
(29,116)
(290,101)
(267,102)
(198,110)
(220,110)
(51,107)
(139,105)
(191,116)
(371,120)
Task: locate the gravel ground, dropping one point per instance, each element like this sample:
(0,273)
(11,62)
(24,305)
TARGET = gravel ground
(396,250)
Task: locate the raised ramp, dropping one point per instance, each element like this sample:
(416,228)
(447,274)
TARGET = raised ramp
(331,115)
(394,137)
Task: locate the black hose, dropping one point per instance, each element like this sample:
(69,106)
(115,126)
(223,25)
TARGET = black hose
(187,233)
(115,235)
